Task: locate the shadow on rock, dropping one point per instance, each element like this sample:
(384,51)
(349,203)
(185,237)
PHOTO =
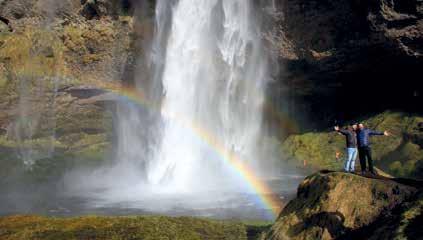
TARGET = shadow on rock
(414,229)
(333,222)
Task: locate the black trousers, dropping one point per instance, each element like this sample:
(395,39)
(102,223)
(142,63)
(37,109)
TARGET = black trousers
(365,153)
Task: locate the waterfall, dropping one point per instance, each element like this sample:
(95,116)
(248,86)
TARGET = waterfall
(200,110)
(213,76)
(204,98)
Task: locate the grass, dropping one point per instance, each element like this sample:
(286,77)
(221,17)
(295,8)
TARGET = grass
(115,228)
(400,154)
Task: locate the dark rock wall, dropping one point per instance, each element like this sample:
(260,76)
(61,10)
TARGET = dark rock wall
(342,59)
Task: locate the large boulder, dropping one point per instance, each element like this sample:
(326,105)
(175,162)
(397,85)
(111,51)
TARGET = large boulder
(331,205)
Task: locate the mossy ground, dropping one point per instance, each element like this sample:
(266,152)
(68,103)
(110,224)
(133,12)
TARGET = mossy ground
(400,154)
(36,118)
(109,228)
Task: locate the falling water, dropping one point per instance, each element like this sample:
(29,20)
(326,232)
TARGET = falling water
(213,77)
(205,97)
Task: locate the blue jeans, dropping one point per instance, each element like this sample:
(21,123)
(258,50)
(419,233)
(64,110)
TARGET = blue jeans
(349,165)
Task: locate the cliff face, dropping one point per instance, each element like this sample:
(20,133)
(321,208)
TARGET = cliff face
(56,60)
(57,57)
(364,54)
(333,205)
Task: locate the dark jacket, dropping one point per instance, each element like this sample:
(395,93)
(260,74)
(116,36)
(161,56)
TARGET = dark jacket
(363,137)
(350,137)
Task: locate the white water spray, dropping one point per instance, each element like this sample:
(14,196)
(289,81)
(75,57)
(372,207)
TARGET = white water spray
(205,98)
(214,78)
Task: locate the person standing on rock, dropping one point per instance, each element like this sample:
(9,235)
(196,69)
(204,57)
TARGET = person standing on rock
(364,149)
(351,140)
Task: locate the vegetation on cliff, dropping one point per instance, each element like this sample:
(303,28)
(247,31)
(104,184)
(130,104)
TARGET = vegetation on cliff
(50,48)
(400,154)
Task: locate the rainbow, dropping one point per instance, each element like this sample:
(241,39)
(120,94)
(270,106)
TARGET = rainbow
(267,197)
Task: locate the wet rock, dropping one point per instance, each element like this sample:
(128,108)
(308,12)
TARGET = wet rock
(83,92)
(331,205)
(103,100)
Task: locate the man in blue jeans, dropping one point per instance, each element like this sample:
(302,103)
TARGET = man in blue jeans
(351,140)
(364,150)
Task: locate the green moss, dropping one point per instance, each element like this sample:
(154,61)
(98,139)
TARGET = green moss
(341,204)
(74,118)
(315,150)
(396,123)
(92,155)
(184,228)
(400,154)
(407,224)
(404,160)
(88,44)
(85,151)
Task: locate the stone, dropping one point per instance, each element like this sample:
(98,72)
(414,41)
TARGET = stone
(333,205)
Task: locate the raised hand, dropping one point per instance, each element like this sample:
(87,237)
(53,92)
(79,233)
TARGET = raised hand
(336,128)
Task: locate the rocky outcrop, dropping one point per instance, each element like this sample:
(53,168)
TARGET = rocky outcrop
(329,49)
(331,205)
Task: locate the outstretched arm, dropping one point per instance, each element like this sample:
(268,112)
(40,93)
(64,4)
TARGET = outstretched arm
(377,133)
(339,130)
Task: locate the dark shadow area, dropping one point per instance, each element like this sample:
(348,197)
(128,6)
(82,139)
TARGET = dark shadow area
(7,22)
(414,230)
(83,92)
(333,222)
(404,181)
(365,72)
(387,224)
(254,232)
(4,20)
(409,182)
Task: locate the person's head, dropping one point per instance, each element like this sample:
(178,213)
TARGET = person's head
(360,126)
(354,126)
